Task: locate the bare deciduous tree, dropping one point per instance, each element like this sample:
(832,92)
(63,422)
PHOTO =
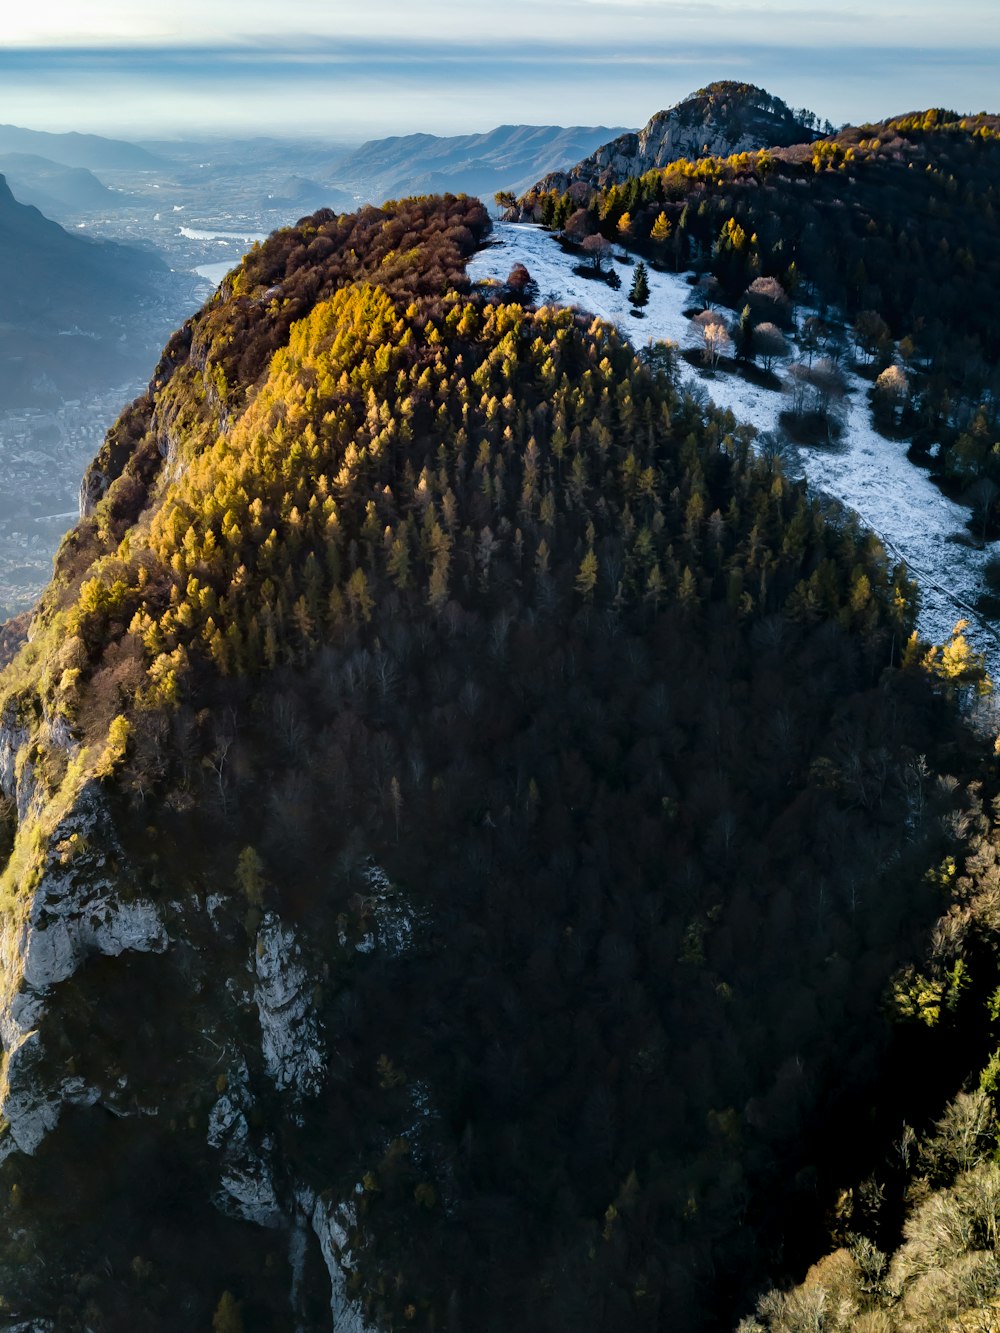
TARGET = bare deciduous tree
(717,343)
(768,301)
(597,248)
(769,343)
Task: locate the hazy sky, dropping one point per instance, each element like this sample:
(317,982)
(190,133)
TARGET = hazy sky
(349,70)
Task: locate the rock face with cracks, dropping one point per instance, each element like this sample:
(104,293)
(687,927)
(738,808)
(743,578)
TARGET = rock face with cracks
(723,119)
(76,910)
(88,912)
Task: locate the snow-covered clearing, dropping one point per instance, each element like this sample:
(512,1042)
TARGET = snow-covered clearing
(864,471)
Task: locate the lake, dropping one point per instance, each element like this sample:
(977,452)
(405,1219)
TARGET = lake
(195,234)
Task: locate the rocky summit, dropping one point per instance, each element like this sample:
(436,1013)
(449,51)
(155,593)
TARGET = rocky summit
(717,121)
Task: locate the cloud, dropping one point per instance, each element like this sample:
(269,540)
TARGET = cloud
(363,85)
(196,23)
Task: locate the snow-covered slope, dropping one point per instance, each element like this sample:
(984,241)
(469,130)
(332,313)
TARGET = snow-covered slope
(865,471)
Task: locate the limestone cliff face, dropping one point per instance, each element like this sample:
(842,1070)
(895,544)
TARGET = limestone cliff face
(235,1068)
(724,119)
(240,1063)
(81,906)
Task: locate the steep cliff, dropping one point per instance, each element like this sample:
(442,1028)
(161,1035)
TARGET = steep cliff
(458,796)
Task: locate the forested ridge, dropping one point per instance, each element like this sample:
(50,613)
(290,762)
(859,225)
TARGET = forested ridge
(593,768)
(892,226)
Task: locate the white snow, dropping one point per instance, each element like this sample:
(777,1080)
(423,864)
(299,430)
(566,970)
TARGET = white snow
(864,471)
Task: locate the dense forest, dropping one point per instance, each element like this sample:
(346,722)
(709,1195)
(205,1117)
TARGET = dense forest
(431,661)
(894,226)
(912,1233)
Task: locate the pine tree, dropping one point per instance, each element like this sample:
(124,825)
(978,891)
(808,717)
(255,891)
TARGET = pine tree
(586,579)
(639,291)
(744,336)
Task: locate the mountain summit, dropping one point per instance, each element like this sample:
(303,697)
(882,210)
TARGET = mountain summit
(719,120)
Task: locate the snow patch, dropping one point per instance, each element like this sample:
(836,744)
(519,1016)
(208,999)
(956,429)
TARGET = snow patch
(864,472)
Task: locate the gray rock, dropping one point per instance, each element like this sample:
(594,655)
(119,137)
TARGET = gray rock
(291,1039)
(76,909)
(721,120)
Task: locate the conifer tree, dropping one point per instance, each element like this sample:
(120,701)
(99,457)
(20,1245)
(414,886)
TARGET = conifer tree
(661,229)
(639,291)
(227,1317)
(586,579)
(744,336)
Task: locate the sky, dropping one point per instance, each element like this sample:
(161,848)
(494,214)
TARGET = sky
(348,71)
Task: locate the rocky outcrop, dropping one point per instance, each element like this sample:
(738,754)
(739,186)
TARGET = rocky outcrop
(389,918)
(291,1040)
(80,906)
(18,778)
(14,741)
(246,1179)
(331,1223)
(723,119)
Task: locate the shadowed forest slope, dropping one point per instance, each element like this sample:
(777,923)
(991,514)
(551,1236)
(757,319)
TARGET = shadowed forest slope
(469,811)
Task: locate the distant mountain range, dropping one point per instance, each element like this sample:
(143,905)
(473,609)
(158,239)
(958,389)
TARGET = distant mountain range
(309,174)
(288,178)
(52,187)
(67,303)
(509,157)
(78,150)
